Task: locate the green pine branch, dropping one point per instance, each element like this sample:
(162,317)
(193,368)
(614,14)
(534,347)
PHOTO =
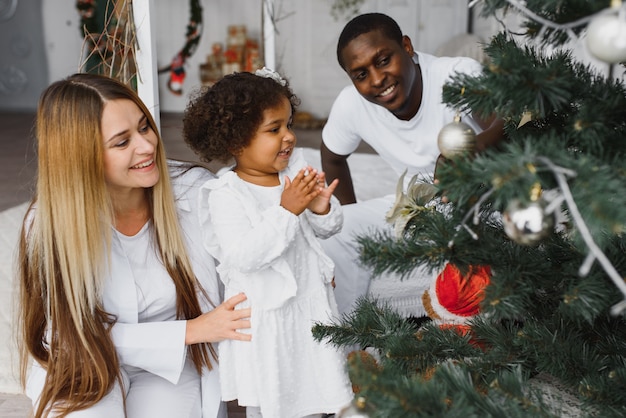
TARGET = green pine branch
(545,328)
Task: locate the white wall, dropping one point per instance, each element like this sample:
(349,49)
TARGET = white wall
(62,37)
(64,42)
(171,21)
(23,69)
(305,43)
(307,40)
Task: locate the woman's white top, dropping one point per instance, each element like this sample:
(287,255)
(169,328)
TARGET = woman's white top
(141,294)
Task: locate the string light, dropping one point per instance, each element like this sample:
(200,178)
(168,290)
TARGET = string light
(546,23)
(595,253)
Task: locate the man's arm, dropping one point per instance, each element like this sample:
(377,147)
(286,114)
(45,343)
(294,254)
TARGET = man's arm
(492,134)
(336,167)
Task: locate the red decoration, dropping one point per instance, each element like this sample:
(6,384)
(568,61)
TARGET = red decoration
(176,68)
(454,298)
(177,75)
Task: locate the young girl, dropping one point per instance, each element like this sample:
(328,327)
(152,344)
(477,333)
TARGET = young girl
(261,220)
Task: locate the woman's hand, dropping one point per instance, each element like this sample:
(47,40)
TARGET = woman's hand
(222,323)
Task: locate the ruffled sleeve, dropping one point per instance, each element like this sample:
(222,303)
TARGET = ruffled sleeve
(326,225)
(329,224)
(248,242)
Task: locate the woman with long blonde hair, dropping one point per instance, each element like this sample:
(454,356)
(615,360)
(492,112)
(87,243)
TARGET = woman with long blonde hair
(115,289)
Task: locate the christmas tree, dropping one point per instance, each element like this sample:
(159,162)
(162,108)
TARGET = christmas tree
(535,228)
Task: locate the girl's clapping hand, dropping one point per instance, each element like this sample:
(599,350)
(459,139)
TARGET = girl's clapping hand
(300,191)
(321,204)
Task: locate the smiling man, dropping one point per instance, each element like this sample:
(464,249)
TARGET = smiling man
(395,105)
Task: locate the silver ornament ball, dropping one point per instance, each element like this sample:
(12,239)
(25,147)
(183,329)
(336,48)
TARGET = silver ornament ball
(606,38)
(456,139)
(527,223)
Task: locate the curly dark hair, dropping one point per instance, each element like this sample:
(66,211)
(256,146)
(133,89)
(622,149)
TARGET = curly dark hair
(222,119)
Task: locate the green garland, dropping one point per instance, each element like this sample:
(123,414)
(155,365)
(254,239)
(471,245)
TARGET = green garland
(176,68)
(98,22)
(93,29)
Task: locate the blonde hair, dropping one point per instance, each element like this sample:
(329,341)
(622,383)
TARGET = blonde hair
(65,245)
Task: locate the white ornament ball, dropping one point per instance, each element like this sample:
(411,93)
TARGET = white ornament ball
(606,38)
(456,139)
(527,223)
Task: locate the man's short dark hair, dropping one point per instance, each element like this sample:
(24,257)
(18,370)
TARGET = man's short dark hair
(366,23)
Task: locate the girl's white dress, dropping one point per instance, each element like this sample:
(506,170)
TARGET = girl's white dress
(275,258)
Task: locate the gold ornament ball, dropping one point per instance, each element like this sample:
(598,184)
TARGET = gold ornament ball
(456,139)
(356,409)
(527,223)
(606,38)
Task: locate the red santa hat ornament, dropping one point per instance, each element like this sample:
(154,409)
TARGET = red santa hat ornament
(454,298)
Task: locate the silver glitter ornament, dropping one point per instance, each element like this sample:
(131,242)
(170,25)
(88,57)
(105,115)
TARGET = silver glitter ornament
(456,139)
(527,223)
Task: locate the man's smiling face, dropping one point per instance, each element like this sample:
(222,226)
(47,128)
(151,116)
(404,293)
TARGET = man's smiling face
(384,73)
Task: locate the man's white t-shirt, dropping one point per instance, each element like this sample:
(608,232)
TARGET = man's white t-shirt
(405,144)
